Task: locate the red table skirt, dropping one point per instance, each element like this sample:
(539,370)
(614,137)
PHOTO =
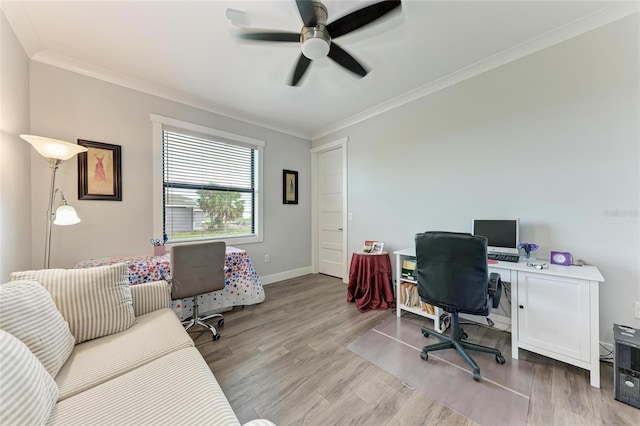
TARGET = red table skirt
(370,282)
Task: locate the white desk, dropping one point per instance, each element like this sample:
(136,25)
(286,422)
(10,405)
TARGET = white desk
(554,311)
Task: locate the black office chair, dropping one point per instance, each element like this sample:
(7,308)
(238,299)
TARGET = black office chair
(453,274)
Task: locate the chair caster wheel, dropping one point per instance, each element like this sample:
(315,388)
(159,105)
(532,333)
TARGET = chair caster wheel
(221,322)
(464,336)
(476,375)
(216,337)
(424,356)
(500,359)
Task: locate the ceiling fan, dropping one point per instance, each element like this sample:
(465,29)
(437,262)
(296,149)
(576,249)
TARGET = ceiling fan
(316,36)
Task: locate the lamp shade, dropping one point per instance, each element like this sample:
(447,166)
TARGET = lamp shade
(66,215)
(53,148)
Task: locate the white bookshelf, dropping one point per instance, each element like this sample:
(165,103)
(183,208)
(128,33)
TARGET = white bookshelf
(439,323)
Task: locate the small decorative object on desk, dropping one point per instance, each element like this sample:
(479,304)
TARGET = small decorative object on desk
(158,245)
(528,248)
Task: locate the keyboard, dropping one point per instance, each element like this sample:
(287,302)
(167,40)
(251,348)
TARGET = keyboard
(504,257)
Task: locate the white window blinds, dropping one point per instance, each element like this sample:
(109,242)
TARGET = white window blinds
(209,187)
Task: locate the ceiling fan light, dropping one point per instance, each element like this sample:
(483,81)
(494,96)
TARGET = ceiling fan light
(315,48)
(315,42)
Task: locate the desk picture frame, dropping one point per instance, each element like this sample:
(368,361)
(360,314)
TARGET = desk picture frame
(100,171)
(289,187)
(377,247)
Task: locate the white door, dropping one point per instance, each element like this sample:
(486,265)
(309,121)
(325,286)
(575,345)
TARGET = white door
(330,213)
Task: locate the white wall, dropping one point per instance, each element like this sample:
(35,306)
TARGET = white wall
(552,138)
(15,178)
(70,106)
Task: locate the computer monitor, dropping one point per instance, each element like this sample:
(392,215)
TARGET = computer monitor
(503,234)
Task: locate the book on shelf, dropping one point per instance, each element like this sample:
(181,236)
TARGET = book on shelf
(405,289)
(409,269)
(427,308)
(410,298)
(409,295)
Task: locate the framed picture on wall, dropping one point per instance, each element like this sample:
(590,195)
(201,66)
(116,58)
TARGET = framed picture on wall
(99,171)
(289,187)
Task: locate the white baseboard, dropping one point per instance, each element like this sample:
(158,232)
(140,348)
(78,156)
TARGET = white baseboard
(294,273)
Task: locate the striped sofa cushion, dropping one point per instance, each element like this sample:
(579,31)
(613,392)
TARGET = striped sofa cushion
(99,360)
(259,422)
(28,390)
(149,297)
(95,302)
(48,337)
(175,389)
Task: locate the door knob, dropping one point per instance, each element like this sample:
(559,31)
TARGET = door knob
(521,306)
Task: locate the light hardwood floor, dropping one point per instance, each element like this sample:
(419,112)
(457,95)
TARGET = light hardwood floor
(286,360)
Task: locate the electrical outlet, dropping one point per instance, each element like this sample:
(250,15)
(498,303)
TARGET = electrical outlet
(638,310)
(266,258)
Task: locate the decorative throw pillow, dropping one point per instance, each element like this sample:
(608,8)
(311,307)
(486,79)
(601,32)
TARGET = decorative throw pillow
(28,312)
(28,390)
(95,302)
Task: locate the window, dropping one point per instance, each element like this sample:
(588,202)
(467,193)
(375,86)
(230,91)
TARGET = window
(211,186)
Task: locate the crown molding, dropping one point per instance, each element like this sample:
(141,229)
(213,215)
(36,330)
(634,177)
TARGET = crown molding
(20,22)
(99,73)
(602,17)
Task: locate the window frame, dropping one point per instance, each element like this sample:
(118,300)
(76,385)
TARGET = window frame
(159,123)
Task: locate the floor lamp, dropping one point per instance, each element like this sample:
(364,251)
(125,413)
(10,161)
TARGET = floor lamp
(55,152)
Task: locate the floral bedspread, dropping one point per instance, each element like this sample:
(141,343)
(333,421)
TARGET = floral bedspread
(242,285)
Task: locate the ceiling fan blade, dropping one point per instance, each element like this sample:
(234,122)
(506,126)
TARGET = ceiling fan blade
(307,13)
(344,59)
(301,67)
(237,17)
(266,35)
(361,17)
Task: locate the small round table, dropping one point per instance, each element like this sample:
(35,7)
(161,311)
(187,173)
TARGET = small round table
(370,282)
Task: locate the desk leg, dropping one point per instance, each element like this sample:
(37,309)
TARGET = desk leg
(595,376)
(514,317)
(594,332)
(397,284)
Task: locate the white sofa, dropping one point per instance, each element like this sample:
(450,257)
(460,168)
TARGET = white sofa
(86,348)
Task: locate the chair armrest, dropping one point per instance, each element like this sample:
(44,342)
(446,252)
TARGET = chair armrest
(149,297)
(495,288)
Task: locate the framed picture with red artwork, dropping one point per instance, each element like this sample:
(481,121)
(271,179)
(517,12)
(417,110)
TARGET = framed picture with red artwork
(99,171)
